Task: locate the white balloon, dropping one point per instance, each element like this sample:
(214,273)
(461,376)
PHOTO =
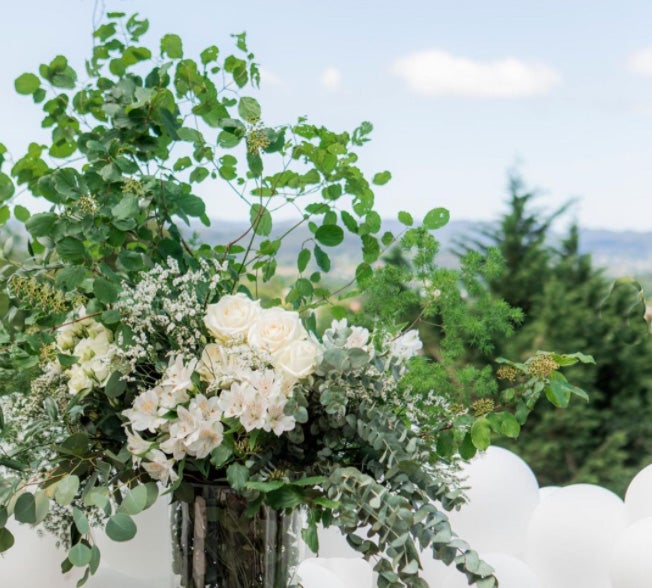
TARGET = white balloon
(638,498)
(352,572)
(434,571)
(314,574)
(503,494)
(149,554)
(34,561)
(511,571)
(631,565)
(333,544)
(546,491)
(571,535)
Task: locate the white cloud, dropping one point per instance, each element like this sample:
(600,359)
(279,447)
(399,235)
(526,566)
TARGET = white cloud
(331,79)
(438,73)
(640,62)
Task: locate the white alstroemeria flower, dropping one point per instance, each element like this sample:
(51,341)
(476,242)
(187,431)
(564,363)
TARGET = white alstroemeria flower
(232,401)
(266,382)
(137,446)
(178,376)
(277,420)
(254,411)
(185,424)
(207,409)
(175,447)
(205,439)
(275,328)
(170,398)
(406,346)
(160,467)
(231,317)
(146,412)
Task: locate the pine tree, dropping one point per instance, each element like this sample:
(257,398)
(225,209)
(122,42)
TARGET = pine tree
(569,305)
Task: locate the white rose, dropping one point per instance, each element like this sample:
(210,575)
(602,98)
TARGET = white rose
(78,380)
(67,335)
(89,347)
(275,328)
(100,367)
(298,359)
(231,317)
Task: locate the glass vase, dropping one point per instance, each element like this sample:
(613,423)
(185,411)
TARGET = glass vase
(216,545)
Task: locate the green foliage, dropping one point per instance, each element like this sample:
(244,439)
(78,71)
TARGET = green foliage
(147,129)
(570,304)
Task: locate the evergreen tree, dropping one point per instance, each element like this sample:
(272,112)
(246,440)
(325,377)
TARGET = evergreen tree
(570,305)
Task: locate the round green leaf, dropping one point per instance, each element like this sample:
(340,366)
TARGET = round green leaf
(481,433)
(7,187)
(249,109)
(330,235)
(81,522)
(436,218)
(121,527)
(80,555)
(405,218)
(172,46)
(94,564)
(27,83)
(302,259)
(21,213)
(66,490)
(381,178)
(6,540)
(25,509)
(135,501)
(42,505)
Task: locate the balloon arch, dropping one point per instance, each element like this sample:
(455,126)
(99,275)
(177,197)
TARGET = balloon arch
(577,536)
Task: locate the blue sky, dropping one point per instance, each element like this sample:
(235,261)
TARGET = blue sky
(458,92)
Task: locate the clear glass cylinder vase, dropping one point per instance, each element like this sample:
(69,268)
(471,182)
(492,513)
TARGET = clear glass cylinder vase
(216,545)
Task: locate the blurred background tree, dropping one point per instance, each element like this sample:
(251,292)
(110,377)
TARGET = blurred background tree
(567,304)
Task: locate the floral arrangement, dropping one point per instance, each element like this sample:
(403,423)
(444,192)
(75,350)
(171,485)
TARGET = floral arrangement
(137,359)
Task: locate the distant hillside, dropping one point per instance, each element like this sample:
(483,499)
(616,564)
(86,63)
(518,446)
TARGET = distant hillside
(618,252)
